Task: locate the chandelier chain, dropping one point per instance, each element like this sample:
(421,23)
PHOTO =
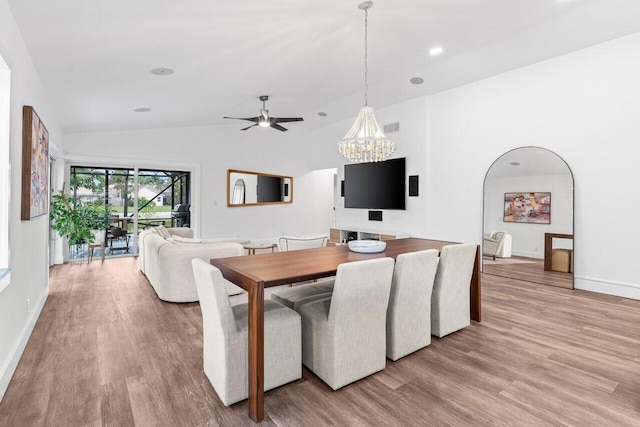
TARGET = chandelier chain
(366,66)
(365,141)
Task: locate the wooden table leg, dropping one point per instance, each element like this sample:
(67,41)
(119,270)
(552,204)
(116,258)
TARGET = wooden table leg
(256,352)
(476,295)
(548,245)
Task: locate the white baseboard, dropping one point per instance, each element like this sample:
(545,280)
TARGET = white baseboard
(16,352)
(525,254)
(625,290)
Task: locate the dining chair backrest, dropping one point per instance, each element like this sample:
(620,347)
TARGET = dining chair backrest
(294,243)
(361,291)
(409,311)
(217,314)
(117,232)
(450,300)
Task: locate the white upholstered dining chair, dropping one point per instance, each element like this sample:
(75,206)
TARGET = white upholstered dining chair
(409,311)
(450,299)
(294,243)
(296,296)
(343,336)
(225,338)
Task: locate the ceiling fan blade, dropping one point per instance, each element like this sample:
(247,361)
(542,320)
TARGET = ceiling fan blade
(250,119)
(286,119)
(249,127)
(277,126)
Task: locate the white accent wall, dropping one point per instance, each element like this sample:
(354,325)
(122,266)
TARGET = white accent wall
(22,300)
(584,106)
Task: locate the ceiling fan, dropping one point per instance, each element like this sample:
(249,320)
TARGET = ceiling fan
(265,120)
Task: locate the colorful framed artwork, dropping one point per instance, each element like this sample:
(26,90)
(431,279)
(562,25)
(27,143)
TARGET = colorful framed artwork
(35,165)
(527,207)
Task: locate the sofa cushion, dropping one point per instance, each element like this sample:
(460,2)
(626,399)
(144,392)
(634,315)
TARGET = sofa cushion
(179,239)
(162,231)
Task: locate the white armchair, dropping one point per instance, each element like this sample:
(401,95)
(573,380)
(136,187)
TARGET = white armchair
(497,244)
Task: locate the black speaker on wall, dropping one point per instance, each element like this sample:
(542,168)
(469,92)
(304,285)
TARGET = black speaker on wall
(375,215)
(413,185)
(342,188)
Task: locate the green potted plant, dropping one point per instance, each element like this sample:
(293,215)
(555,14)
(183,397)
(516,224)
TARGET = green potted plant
(76,220)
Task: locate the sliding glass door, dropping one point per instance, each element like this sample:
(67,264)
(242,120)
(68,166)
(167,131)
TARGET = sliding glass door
(132,200)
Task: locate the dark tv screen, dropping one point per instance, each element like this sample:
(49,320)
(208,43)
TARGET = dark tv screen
(269,189)
(375,185)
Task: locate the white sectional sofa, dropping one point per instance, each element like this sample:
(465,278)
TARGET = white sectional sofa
(165,258)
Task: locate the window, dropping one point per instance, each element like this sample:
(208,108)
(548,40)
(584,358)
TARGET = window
(5,86)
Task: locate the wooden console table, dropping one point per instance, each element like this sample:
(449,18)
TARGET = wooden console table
(257,272)
(548,246)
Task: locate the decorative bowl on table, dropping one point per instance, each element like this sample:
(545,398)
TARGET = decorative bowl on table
(367,246)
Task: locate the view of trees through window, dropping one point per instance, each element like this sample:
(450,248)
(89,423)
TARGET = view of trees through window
(159,191)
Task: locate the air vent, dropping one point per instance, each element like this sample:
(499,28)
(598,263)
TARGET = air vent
(391,127)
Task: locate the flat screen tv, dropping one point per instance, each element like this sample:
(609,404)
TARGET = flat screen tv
(375,185)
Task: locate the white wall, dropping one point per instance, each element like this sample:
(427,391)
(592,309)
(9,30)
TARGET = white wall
(584,106)
(216,149)
(410,143)
(28,240)
(528,238)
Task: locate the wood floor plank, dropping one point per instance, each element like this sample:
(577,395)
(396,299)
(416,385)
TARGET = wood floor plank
(115,408)
(107,351)
(530,270)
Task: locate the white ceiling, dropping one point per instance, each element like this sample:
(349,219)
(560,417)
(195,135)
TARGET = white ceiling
(95,57)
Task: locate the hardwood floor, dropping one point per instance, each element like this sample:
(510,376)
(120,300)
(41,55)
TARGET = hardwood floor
(107,351)
(526,270)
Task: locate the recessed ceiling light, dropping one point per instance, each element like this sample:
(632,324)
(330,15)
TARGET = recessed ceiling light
(436,51)
(322,114)
(515,163)
(417,80)
(162,71)
(142,110)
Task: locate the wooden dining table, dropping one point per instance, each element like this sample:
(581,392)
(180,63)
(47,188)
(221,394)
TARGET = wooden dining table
(257,272)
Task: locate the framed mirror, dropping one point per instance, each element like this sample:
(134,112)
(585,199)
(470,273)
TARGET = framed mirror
(245,188)
(528,218)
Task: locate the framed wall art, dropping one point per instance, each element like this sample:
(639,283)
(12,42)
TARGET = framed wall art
(35,165)
(527,207)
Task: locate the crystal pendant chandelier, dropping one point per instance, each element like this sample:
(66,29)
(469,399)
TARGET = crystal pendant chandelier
(365,141)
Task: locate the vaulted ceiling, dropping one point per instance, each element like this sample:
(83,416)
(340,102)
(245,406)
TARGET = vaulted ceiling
(95,58)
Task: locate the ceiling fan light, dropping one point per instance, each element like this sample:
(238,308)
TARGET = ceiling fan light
(264,123)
